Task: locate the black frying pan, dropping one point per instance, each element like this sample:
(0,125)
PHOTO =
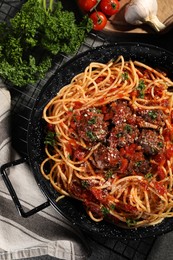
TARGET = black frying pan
(70,208)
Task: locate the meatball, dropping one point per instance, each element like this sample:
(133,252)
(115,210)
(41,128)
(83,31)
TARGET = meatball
(155,117)
(106,157)
(151,142)
(122,135)
(91,126)
(139,164)
(122,112)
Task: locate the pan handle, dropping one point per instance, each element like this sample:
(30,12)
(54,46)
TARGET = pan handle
(13,194)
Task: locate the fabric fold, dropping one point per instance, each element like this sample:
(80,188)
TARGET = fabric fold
(45,233)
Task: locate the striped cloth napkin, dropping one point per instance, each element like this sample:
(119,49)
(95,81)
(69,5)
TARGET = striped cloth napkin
(45,233)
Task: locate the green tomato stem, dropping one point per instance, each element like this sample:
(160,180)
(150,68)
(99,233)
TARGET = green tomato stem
(95,6)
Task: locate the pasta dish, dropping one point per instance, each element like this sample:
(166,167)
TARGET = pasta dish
(108,142)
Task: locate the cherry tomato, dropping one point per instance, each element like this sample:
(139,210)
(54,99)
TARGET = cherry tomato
(109,7)
(87,5)
(99,20)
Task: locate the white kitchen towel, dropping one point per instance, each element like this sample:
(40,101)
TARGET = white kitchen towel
(44,233)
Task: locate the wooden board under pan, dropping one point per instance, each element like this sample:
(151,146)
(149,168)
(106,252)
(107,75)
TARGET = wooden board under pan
(117,23)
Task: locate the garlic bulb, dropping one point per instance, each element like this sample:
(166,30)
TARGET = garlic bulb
(143,11)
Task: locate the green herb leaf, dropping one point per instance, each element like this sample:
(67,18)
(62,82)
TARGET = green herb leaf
(148,176)
(119,135)
(128,128)
(92,121)
(99,111)
(91,135)
(85,184)
(131,222)
(69,156)
(152,114)
(138,163)
(112,206)
(108,174)
(104,210)
(141,87)
(160,144)
(125,75)
(50,138)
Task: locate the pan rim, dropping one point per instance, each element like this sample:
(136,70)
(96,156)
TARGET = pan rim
(95,228)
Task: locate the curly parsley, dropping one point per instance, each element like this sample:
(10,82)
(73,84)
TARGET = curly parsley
(38,32)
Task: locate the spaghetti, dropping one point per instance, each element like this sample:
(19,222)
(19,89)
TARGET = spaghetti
(109,142)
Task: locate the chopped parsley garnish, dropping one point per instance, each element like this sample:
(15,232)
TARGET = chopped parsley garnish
(152,114)
(91,136)
(85,184)
(125,75)
(104,210)
(112,206)
(138,163)
(108,174)
(119,135)
(69,156)
(128,128)
(160,144)
(141,88)
(131,222)
(75,118)
(148,176)
(50,138)
(98,110)
(92,121)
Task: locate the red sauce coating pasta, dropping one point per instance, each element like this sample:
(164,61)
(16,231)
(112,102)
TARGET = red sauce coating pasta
(112,143)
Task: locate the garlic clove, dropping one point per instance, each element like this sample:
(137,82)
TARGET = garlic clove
(138,12)
(134,14)
(154,22)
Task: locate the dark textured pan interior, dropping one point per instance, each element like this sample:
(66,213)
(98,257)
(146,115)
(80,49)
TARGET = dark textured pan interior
(72,209)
